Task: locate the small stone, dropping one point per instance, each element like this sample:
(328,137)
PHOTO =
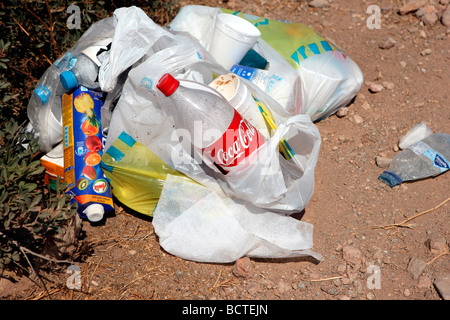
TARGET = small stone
(422,34)
(426,10)
(283,287)
(243,268)
(366,106)
(413,5)
(388,85)
(387,44)
(430,19)
(252,288)
(351,255)
(406,292)
(437,245)
(442,285)
(374,87)
(403,64)
(416,266)
(424,282)
(341,268)
(342,112)
(445,19)
(382,162)
(301,285)
(318,3)
(358,119)
(426,52)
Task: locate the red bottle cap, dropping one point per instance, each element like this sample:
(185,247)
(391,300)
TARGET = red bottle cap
(167,84)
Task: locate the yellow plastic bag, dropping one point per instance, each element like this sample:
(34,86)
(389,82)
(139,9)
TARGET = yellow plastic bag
(136,174)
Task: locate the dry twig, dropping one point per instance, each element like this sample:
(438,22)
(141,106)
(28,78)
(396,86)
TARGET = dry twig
(403,223)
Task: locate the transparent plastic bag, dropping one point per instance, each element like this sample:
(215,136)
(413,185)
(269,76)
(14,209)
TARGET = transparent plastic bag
(309,74)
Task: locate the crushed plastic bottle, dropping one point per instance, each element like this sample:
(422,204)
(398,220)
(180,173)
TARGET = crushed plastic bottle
(427,158)
(44,107)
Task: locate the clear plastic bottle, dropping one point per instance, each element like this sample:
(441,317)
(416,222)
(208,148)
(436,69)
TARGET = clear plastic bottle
(207,116)
(426,158)
(44,108)
(84,72)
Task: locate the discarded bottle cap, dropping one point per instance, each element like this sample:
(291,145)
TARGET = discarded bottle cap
(43,93)
(94,212)
(68,80)
(167,84)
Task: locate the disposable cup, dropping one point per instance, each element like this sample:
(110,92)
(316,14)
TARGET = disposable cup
(232,38)
(238,95)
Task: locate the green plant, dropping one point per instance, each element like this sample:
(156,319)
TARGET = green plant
(29,214)
(33,34)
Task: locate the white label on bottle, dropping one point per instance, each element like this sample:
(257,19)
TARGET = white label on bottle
(438,160)
(419,148)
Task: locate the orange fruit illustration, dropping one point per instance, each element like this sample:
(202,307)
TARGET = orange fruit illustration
(92,158)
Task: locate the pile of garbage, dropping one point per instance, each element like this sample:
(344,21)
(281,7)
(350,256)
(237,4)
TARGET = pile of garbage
(207,125)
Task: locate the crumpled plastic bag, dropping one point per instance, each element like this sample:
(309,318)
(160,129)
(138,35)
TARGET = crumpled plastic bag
(196,223)
(135,173)
(271,183)
(418,132)
(308,74)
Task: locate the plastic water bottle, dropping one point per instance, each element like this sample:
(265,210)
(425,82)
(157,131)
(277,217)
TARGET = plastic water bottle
(84,72)
(427,158)
(207,116)
(44,108)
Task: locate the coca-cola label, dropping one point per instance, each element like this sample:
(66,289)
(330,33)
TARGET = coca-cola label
(239,141)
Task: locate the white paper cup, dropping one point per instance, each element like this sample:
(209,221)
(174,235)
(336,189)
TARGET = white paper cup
(238,95)
(232,38)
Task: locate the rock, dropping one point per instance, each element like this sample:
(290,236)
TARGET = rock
(366,106)
(416,266)
(243,268)
(351,255)
(411,6)
(342,112)
(437,245)
(252,288)
(426,52)
(318,3)
(382,162)
(387,44)
(426,10)
(358,119)
(406,292)
(430,19)
(442,285)
(388,85)
(374,87)
(444,2)
(424,282)
(445,19)
(283,287)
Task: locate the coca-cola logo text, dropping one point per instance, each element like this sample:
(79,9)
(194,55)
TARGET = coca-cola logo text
(246,134)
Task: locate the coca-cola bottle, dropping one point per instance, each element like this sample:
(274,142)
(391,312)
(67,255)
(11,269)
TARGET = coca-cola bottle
(200,111)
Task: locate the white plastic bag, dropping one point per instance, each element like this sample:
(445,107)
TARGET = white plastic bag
(271,182)
(308,74)
(196,223)
(415,134)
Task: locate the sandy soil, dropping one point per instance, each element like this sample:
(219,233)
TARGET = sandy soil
(127,263)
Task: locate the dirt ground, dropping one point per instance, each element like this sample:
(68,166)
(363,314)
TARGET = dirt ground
(127,263)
